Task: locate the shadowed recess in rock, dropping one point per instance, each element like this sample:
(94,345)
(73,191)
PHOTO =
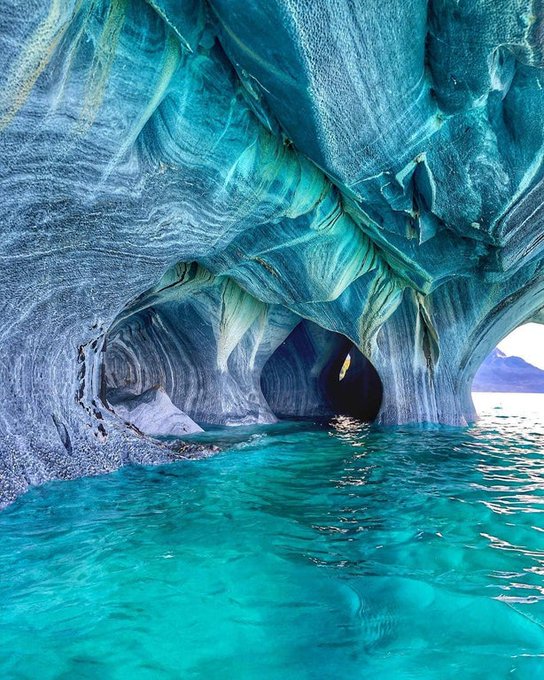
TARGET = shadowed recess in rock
(204,341)
(224,358)
(311,376)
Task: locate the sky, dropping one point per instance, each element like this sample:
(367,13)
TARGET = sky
(526,342)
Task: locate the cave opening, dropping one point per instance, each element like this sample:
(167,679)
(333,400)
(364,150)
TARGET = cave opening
(197,351)
(319,374)
(509,381)
(516,364)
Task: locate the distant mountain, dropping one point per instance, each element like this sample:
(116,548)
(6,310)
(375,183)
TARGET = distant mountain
(500,373)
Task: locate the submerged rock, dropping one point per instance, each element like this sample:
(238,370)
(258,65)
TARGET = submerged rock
(186,186)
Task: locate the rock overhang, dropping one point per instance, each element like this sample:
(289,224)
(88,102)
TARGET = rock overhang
(373,170)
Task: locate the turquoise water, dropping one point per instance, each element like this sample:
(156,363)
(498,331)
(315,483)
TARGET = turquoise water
(296,553)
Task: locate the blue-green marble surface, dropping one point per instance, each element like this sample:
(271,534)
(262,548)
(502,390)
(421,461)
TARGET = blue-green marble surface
(201,177)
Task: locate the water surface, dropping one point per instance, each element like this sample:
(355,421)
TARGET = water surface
(299,552)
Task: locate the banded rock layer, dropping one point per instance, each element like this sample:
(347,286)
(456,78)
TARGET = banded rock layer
(224,199)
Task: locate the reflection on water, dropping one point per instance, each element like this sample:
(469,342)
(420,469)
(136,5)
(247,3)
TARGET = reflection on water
(301,552)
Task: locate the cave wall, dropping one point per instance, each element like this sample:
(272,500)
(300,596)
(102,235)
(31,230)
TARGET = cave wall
(399,204)
(205,346)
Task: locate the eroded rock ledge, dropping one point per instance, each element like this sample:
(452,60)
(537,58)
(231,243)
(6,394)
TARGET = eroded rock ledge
(224,199)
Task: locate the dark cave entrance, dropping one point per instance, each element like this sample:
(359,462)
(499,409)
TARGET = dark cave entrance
(318,374)
(198,351)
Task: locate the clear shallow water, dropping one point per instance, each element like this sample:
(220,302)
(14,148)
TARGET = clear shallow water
(297,553)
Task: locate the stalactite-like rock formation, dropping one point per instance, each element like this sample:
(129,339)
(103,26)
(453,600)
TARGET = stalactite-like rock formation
(213,203)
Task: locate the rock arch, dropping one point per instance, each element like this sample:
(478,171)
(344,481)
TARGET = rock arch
(394,205)
(304,377)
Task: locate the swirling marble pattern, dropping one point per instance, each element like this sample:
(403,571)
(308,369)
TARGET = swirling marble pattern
(185,183)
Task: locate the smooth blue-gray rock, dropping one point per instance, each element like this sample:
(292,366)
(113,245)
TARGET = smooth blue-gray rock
(188,187)
(152,413)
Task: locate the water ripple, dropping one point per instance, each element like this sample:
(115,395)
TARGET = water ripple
(300,552)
